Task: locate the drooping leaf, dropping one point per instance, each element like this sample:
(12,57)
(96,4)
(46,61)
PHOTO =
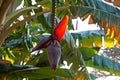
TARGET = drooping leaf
(14,15)
(69,39)
(14,43)
(99,14)
(88,33)
(106,63)
(90,63)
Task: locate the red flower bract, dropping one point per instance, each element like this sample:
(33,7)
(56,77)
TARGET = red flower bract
(60,30)
(52,43)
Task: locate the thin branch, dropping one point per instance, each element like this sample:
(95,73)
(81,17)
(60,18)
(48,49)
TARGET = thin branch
(31,17)
(41,2)
(14,26)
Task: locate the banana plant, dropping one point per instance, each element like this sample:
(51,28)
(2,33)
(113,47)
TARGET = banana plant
(19,36)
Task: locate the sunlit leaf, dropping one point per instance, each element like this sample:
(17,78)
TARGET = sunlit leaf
(81,76)
(87,42)
(88,52)
(109,42)
(9,59)
(108,31)
(14,15)
(89,38)
(97,41)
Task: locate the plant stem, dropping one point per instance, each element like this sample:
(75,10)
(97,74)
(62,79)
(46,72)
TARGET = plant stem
(4,9)
(53,13)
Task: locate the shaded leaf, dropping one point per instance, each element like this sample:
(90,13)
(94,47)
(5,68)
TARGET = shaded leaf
(39,60)
(43,18)
(5,66)
(44,72)
(15,67)
(14,42)
(88,33)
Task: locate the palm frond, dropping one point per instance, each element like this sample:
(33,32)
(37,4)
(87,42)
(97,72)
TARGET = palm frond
(106,16)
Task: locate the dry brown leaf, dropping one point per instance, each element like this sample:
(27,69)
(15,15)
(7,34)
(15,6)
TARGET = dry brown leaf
(103,24)
(108,0)
(90,20)
(116,3)
(118,39)
(85,16)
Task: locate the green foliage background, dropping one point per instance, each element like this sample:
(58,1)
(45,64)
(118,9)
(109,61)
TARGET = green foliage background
(18,37)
